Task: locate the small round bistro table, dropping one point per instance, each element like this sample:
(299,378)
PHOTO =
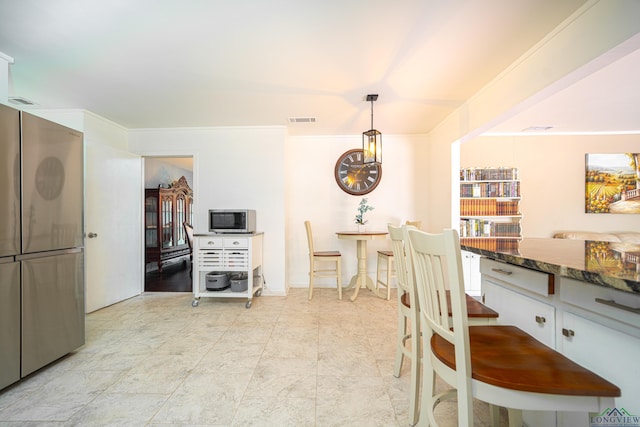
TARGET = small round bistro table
(361,279)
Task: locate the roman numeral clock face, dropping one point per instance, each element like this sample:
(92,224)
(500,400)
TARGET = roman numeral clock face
(353,176)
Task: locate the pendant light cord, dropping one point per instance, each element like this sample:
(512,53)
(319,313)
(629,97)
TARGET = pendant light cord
(372,114)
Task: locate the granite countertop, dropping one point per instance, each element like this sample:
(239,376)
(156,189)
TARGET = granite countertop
(614,265)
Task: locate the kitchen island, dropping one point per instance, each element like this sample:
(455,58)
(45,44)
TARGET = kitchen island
(581,298)
(609,264)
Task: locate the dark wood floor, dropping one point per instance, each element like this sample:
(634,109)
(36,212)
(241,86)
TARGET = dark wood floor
(174,278)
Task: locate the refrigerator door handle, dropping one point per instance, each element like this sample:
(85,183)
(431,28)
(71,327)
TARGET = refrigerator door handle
(25,257)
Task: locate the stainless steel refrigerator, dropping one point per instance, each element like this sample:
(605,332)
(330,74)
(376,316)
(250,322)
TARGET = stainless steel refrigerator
(41,243)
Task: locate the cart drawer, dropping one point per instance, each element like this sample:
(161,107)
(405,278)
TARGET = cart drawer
(211,242)
(236,243)
(210,259)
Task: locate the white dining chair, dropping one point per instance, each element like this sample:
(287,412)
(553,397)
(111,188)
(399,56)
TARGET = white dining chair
(323,263)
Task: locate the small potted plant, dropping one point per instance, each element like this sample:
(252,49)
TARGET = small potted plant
(362,209)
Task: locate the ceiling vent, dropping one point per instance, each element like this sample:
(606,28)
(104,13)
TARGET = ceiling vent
(537,129)
(302,119)
(18,100)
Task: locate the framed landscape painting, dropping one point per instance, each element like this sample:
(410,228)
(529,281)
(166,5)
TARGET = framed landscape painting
(612,183)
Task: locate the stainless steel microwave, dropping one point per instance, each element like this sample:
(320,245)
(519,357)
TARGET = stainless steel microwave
(232,221)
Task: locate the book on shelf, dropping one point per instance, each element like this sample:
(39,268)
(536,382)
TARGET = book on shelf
(491,244)
(489,174)
(474,227)
(490,189)
(488,207)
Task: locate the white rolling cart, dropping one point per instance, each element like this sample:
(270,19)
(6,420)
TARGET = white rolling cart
(227,253)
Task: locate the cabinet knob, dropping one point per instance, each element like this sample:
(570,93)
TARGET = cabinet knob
(92,235)
(540,320)
(501,271)
(568,332)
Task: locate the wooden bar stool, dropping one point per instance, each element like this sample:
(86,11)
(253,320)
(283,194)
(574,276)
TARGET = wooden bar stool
(386,261)
(323,263)
(498,364)
(409,335)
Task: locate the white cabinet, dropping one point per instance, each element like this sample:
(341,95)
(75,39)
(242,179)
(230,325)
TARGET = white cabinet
(521,298)
(227,254)
(471,271)
(611,354)
(532,316)
(600,330)
(596,326)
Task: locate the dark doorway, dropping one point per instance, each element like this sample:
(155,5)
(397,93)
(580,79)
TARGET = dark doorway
(168,209)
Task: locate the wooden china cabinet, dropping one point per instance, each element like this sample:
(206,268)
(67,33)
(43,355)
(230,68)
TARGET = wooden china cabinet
(165,211)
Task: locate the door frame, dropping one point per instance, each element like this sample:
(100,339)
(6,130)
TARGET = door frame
(194,185)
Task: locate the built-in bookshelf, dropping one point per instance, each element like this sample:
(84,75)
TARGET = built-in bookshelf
(489,208)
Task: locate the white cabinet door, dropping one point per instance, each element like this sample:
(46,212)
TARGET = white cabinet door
(611,354)
(471,271)
(532,316)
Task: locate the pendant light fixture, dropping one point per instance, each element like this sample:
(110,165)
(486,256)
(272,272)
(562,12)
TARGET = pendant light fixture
(372,140)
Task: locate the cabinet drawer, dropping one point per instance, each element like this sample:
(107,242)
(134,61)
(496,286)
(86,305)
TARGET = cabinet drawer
(211,242)
(534,281)
(618,305)
(235,242)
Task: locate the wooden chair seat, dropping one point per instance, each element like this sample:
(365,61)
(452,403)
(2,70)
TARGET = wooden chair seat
(475,309)
(326,253)
(506,356)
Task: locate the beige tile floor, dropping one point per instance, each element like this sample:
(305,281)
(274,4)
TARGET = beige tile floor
(154,360)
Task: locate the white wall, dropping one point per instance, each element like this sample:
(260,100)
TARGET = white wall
(312,194)
(5,60)
(552,174)
(158,171)
(288,180)
(233,168)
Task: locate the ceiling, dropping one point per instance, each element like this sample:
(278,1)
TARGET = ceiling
(201,63)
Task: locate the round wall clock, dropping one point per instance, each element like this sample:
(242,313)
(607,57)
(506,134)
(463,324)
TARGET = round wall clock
(353,176)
